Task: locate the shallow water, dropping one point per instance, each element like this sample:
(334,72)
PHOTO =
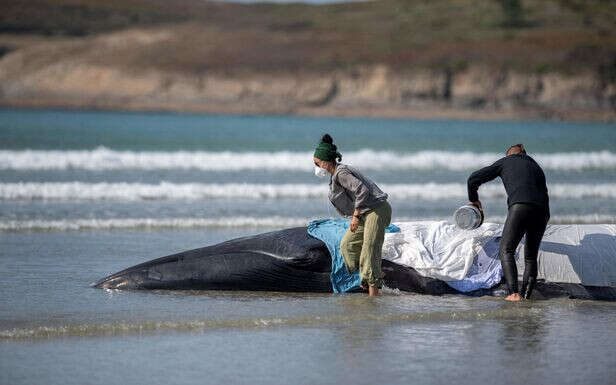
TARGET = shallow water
(85,194)
(54,328)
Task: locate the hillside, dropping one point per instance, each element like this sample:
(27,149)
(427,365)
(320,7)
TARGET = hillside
(463,58)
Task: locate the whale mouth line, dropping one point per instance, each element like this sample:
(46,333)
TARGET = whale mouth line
(276,256)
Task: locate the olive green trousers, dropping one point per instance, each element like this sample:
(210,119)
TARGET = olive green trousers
(364,246)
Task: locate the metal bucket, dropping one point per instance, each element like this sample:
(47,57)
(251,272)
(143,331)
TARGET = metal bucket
(468,217)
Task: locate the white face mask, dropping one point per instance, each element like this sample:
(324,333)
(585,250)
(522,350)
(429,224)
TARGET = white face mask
(321,173)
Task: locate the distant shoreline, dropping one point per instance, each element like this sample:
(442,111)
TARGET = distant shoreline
(429,60)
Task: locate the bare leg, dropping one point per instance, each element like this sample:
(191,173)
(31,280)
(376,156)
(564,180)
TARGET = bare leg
(515,297)
(373,291)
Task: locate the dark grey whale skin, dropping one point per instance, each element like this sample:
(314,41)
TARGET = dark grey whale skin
(288,261)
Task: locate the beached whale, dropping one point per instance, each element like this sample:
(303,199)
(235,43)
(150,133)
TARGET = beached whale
(286,260)
(291,261)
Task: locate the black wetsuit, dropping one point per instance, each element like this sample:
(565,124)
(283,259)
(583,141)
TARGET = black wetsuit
(529,212)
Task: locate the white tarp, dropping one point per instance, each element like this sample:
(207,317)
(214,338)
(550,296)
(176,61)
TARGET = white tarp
(437,249)
(583,254)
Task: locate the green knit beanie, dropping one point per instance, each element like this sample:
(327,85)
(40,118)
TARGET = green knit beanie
(327,150)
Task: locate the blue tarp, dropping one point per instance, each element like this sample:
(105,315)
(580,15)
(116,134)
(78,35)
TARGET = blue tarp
(331,231)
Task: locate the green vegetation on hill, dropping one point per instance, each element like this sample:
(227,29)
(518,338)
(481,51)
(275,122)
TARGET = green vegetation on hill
(533,36)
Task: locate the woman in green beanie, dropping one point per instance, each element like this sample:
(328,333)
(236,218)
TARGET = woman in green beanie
(353,195)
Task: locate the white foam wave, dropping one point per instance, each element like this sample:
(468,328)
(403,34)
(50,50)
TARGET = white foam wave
(573,219)
(106,159)
(233,222)
(128,223)
(166,190)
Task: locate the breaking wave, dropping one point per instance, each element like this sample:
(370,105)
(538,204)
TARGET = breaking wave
(167,191)
(234,222)
(127,223)
(103,158)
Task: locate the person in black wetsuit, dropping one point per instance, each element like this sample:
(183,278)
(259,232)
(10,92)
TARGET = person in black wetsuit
(529,212)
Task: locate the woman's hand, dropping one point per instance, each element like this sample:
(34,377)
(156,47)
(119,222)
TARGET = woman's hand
(354,223)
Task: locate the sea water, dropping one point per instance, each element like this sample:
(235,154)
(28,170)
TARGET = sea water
(84,194)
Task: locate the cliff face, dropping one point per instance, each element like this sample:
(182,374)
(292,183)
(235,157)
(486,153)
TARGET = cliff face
(99,72)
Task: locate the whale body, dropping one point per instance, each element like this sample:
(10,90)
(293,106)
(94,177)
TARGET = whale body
(289,260)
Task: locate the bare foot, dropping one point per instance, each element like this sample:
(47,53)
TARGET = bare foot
(515,297)
(373,291)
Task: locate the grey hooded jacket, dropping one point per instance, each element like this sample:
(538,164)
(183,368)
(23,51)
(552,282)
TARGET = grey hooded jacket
(350,190)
